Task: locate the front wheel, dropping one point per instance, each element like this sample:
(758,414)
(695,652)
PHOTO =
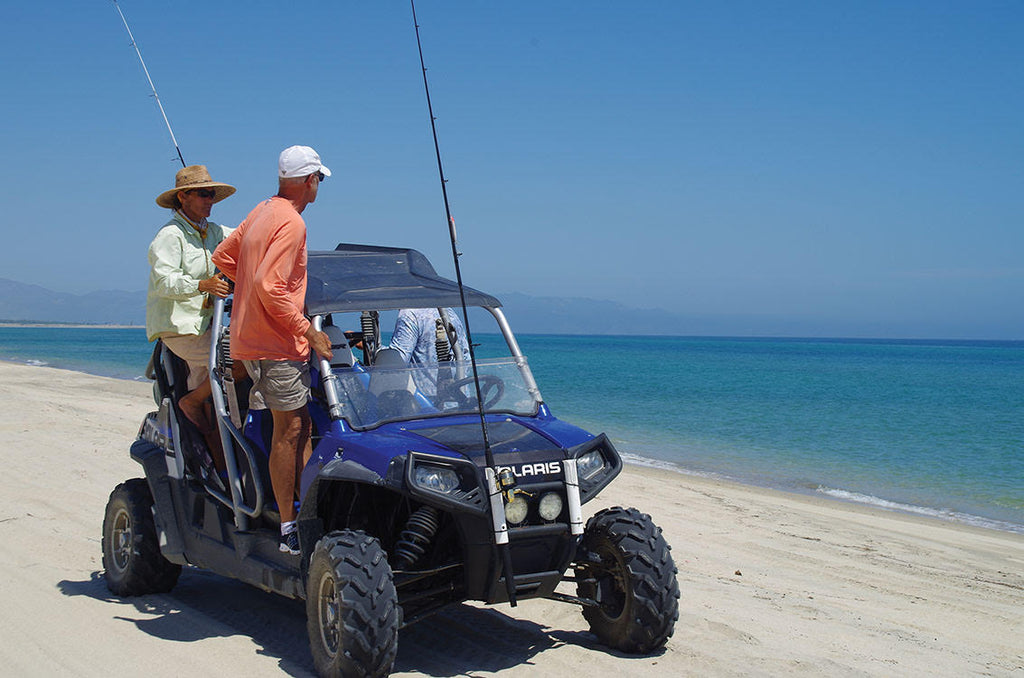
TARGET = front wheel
(352,612)
(624,564)
(132,562)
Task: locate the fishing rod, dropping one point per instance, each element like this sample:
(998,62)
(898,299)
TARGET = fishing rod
(495,482)
(151,85)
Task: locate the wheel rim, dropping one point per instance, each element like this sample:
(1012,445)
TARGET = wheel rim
(121,540)
(611,591)
(327,607)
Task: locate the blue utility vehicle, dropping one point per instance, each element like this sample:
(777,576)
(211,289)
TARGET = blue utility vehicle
(403,511)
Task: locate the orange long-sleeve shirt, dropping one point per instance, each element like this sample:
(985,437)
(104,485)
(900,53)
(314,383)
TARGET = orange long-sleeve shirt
(266,257)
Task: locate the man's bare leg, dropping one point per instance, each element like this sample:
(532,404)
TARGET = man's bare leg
(290,449)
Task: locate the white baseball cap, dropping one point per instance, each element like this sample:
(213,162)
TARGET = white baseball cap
(300,161)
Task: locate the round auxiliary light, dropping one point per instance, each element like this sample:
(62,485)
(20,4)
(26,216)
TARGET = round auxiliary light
(550,506)
(516,510)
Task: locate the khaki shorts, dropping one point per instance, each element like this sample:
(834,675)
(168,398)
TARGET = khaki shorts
(282,385)
(194,349)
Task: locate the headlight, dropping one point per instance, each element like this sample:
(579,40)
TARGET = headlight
(436,479)
(516,510)
(550,506)
(588,465)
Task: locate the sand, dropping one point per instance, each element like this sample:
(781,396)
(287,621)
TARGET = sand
(772,584)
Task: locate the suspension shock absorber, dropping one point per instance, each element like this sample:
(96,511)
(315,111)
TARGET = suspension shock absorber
(444,353)
(368,322)
(225,370)
(416,537)
(224,361)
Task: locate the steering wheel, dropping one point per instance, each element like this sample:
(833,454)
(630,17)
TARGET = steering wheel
(452,391)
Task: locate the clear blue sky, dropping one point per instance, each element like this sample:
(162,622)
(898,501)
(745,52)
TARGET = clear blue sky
(850,169)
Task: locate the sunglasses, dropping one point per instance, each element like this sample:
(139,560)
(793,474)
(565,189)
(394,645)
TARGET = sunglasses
(320,176)
(203,192)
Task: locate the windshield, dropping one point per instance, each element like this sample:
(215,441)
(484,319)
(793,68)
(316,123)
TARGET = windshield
(374,395)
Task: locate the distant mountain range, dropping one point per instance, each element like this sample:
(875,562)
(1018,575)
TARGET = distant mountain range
(34,304)
(22,303)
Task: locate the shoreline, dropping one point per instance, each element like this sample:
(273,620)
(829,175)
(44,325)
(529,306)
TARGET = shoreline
(670,471)
(840,497)
(772,583)
(836,495)
(904,519)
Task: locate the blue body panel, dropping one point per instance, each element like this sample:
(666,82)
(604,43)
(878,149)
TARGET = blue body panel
(376,448)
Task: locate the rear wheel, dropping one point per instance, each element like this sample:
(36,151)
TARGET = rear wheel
(352,612)
(625,565)
(132,562)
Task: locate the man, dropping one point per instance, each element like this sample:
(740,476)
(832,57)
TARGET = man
(266,257)
(419,332)
(181,282)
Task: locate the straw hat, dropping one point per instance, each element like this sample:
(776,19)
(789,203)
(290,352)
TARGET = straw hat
(193,176)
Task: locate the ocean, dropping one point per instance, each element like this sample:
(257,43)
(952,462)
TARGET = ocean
(928,427)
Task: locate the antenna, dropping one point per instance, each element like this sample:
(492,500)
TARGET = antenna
(151,85)
(495,480)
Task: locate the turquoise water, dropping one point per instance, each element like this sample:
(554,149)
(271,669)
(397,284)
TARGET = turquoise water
(109,352)
(931,427)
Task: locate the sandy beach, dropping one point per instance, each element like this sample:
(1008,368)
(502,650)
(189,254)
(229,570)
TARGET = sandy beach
(771,583)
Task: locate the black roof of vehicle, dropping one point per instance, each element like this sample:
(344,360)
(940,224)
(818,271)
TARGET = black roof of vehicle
(367,277)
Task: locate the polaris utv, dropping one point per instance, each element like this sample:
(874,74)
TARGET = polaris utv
(427,487)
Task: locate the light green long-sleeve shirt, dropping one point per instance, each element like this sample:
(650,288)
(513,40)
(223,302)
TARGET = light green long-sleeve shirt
(179,259)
